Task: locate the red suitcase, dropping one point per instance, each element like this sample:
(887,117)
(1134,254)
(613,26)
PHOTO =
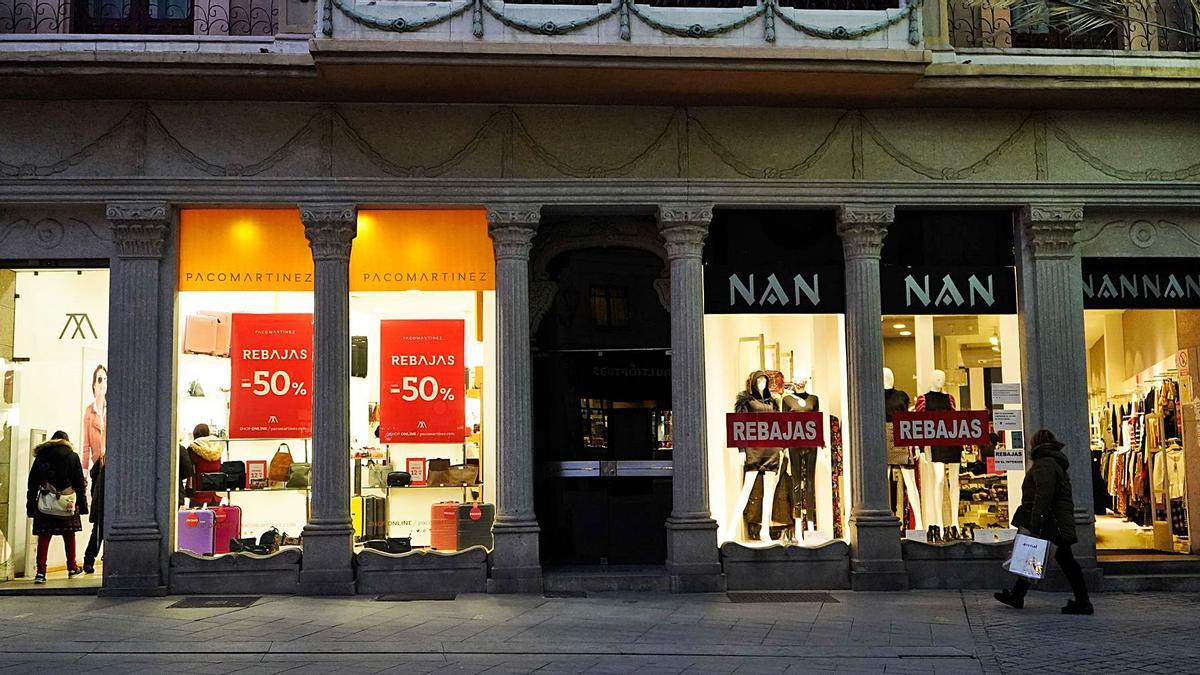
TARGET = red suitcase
(443,526)
(455,526)
(227,524)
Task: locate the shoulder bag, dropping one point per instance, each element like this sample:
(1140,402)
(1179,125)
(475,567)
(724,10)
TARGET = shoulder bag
(281,464)
(51,502)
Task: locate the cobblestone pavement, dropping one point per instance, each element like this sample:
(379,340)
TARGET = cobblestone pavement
(917,632)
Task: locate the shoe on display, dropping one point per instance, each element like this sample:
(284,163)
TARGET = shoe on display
(39,579)
(953,533)
(1015,601)
(1079,608)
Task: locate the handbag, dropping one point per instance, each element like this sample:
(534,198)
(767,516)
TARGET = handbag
(377,474)
(236,475)
(399,479)
(1029,556)
(463,474)
(281,463)
(214,481)
(390,545)
(438,473)
(270,540)
(51,502)
(299,475)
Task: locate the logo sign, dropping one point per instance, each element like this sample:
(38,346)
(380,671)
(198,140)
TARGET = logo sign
(78,325)
(774,430)
(948,290)
(271,357)
(949,427)
(421,381)
(1141,283)
(772,290)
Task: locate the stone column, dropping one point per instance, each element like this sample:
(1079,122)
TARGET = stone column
(876,562)
(693,560)
(133,543)
(329,535)
(1053,351)
(515,561)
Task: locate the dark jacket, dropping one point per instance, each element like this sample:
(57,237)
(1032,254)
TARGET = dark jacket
(96,514)
(749,400)
(1046,496)
(56,463)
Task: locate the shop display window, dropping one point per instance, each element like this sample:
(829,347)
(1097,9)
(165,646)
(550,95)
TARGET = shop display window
(775,364)
(422,323)
(244,388)
(1140,393)
(53,377)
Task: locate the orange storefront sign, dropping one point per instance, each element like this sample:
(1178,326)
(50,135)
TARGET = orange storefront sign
(265,250)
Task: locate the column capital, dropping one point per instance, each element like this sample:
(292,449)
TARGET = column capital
(693,215)
(139,229)
(1052,228)
(512,228)
(330,229)
(862,228)
(683,228)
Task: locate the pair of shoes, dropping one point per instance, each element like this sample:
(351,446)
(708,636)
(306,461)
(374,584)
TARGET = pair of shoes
(953,533)
(1012,600)
(1080,608)
(934,536)
(40,578)
(74,572)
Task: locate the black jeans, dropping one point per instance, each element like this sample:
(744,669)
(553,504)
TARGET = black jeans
(93,546)
(1070,567)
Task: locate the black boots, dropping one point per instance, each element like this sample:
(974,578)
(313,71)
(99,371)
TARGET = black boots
(1080,608)
(1011,599)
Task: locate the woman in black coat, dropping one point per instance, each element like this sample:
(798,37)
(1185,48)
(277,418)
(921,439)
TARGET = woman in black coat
(96,517)
(1048,511)
(56,465)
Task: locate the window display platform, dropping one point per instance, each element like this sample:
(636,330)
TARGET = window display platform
(422,570)
(961,564)
(234,573)
(791,568)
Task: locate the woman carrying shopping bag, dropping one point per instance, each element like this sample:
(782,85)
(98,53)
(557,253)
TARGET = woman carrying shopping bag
(57,496)
(1048,511)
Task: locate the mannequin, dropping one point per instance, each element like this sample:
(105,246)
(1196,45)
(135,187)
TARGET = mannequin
(803,460)
(897,400)
(944,459)
(765,463)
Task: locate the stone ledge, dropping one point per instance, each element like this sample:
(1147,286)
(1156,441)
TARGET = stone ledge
(957,565)
(780,567)
(236,572)
(459,572)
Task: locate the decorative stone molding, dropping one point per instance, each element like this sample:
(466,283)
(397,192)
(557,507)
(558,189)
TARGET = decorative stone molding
(512,229)
(684,228)
(1052,230)
(863,229)
(330,229)
(541,297)
(663,288)
(594,232)
(685,214)
(139,229)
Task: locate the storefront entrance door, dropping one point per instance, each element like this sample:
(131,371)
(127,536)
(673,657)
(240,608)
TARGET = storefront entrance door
(602,410)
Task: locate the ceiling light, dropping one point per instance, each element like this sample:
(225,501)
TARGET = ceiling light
(899,325)
(994,340)
(905,333)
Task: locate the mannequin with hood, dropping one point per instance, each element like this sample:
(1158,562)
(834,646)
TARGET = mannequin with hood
(944,460)
(1048,511)
(57,469)
(205,455)
(766,465)
(896,400)
(803,460)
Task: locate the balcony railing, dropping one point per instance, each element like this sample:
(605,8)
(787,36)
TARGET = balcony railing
(140,17)
(1144,26)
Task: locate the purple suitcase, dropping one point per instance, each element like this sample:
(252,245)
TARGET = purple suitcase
(196,530)
(227,524)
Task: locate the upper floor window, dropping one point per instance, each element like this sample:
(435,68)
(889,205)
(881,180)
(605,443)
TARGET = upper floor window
(610,306)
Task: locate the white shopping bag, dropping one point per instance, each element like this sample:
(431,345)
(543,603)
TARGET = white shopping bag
(1029,556)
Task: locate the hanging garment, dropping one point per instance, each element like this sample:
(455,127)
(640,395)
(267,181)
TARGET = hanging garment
(835,454)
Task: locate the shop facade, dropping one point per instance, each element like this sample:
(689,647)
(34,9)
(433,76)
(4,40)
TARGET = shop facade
(647,313)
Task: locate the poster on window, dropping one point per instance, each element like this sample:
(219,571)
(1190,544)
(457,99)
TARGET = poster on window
(421,380)
(270,394)
(943,427)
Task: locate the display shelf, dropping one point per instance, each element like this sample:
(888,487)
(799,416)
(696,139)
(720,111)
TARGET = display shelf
(276,489)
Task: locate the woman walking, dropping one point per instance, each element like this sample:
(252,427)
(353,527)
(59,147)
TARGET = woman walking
(56,497)
(1048,511)
(96,517)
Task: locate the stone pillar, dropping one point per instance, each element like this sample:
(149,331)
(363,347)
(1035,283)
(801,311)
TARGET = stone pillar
(693,560)
(133,543)
(1053,351)
(329,535)
(515,561)
(876,562)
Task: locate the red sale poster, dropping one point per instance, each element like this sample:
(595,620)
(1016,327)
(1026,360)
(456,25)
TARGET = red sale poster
(421,379)
(270,393)
(775,430)
(942,427)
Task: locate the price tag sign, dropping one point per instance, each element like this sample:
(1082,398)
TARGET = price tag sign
(271,356)
(1006,420)
(1006,393)
(421,381)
